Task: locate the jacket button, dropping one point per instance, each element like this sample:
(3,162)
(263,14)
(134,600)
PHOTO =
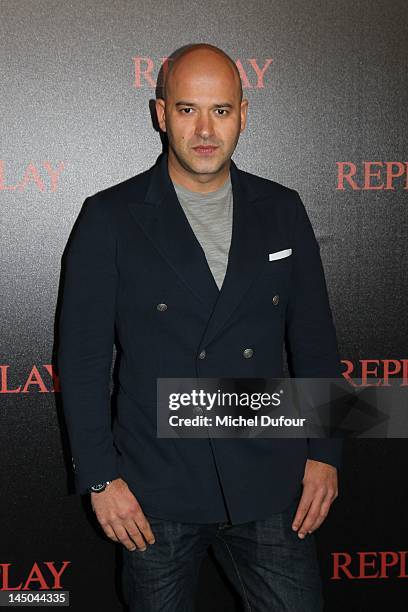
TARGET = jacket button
(248,353)
(275,300)
(202,355)
(161,307)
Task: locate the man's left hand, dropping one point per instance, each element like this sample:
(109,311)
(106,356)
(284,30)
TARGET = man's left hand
(319,491)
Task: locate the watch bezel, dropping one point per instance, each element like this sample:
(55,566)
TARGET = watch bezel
(98,488)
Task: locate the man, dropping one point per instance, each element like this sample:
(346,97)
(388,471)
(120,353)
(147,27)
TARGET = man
(173,265)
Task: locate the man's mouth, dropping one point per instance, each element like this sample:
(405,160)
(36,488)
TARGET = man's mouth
(205,149)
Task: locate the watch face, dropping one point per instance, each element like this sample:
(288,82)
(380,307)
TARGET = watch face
(98,487)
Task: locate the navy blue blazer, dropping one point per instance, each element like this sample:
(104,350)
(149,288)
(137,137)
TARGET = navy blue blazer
(131,249)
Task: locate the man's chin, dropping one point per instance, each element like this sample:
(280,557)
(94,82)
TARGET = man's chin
(205,166)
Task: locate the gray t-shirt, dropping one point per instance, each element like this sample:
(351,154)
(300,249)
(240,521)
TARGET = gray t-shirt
(210,217)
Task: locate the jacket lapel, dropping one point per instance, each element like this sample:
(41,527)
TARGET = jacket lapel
(163,220)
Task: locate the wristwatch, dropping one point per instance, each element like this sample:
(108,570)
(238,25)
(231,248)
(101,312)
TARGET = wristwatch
(97,488)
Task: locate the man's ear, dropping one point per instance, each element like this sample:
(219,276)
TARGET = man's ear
(160,112)
(244,112)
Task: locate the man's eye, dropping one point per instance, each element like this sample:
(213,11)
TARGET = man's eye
(222,111)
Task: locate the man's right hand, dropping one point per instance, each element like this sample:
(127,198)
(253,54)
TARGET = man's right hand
(121,517)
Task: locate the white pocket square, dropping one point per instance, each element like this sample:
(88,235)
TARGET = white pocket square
(280,254)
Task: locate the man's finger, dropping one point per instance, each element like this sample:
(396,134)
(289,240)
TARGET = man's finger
(144,526)
(303,507)
(312,515)
(109,532)
(124,538)
(324,510)
(134,533)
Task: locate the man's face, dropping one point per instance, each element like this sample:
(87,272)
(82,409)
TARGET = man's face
(203,116)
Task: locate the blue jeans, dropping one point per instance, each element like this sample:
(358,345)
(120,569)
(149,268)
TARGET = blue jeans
(271,568)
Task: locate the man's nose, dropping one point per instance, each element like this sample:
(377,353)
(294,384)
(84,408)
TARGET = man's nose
(204,126)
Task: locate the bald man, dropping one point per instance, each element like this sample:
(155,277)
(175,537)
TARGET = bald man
(175,265)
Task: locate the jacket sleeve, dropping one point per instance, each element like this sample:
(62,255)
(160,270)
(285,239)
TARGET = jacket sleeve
(311,340)
(85,344)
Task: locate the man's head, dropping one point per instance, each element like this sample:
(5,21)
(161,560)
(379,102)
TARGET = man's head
(201,105)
